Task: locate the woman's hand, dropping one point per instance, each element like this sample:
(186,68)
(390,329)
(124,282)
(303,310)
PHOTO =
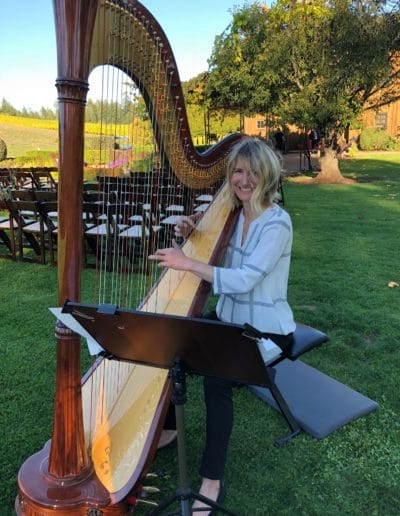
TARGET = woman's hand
(175,258)
(171,257)
(185,225)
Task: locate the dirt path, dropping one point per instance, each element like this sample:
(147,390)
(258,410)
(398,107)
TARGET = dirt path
(295,163)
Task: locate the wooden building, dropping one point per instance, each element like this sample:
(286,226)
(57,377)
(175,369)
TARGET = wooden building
(387,118)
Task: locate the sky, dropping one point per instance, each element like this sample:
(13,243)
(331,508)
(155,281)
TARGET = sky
(28,66)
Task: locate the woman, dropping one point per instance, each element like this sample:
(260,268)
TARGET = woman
(252,285)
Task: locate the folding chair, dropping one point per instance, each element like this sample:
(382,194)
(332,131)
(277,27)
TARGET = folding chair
(49,216)
(45,195)
(101,222)
(23,179)
(43,179)
(7,233)
(30,230)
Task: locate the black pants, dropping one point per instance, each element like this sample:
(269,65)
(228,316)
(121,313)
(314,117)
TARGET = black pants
(218,395)
(219,421)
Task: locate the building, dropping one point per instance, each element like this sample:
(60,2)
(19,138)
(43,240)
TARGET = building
(387,118)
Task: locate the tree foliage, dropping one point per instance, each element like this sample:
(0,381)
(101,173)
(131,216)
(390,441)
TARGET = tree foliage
(194,90)
(43,113)
(212,123)
(315,64)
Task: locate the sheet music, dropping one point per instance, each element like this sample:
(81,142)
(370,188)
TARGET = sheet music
(269,350)
(70,322)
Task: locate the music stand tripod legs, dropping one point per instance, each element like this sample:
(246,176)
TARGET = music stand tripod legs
(184,494)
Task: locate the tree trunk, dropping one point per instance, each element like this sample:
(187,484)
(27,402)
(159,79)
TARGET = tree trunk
(330,171)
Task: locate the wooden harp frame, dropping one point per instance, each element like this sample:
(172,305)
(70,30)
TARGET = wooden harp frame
(60,479)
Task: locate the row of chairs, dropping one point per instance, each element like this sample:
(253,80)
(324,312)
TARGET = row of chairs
(43,178)
(29,226)
(120,213)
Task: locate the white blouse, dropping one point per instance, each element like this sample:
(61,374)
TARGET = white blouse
(253,282)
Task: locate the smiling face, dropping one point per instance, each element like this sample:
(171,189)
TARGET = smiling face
(253,171)
(243,181)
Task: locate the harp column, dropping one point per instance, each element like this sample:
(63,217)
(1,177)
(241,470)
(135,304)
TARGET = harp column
(74,29)
(60,478)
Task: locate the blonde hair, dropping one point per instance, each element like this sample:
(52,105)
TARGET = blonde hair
(264,163)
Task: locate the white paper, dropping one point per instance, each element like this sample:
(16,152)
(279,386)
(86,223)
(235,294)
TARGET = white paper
(269,350)
(70,322)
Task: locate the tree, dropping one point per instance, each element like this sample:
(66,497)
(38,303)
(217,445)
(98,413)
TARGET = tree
(235,81)
(194,90)
(215,121)
(7,108)
(315,63)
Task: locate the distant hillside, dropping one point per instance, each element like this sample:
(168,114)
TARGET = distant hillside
(20,140)
(23,135)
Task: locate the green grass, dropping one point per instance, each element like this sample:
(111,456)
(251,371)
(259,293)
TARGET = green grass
(368,166)
(346,250)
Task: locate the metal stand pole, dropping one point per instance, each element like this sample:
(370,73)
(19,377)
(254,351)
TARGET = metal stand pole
(184,494)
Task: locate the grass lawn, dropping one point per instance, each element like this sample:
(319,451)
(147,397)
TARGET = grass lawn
(346,251)
(367,166)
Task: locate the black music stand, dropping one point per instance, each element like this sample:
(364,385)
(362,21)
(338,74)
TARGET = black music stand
(182,345)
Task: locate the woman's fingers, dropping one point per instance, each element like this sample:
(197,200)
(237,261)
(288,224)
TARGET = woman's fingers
(158,255)
(184,226)
(172,257)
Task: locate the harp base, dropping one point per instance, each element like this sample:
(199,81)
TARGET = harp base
(41,494)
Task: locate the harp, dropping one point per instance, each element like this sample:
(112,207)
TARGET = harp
(90,467)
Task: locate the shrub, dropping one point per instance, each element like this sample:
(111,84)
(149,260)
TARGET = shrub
(96,156)
(37,158)
(374,138)
(3,150)
(95,142)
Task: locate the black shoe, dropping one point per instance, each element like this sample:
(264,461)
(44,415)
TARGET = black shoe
(222,493)
(220,499)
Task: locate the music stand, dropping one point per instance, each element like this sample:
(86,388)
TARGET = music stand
(182,345)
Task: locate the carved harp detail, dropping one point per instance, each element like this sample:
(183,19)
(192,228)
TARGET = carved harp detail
(92,461)
(133,26)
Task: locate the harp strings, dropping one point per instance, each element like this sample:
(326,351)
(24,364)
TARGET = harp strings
(122,275)
(114,258)
(138,190)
